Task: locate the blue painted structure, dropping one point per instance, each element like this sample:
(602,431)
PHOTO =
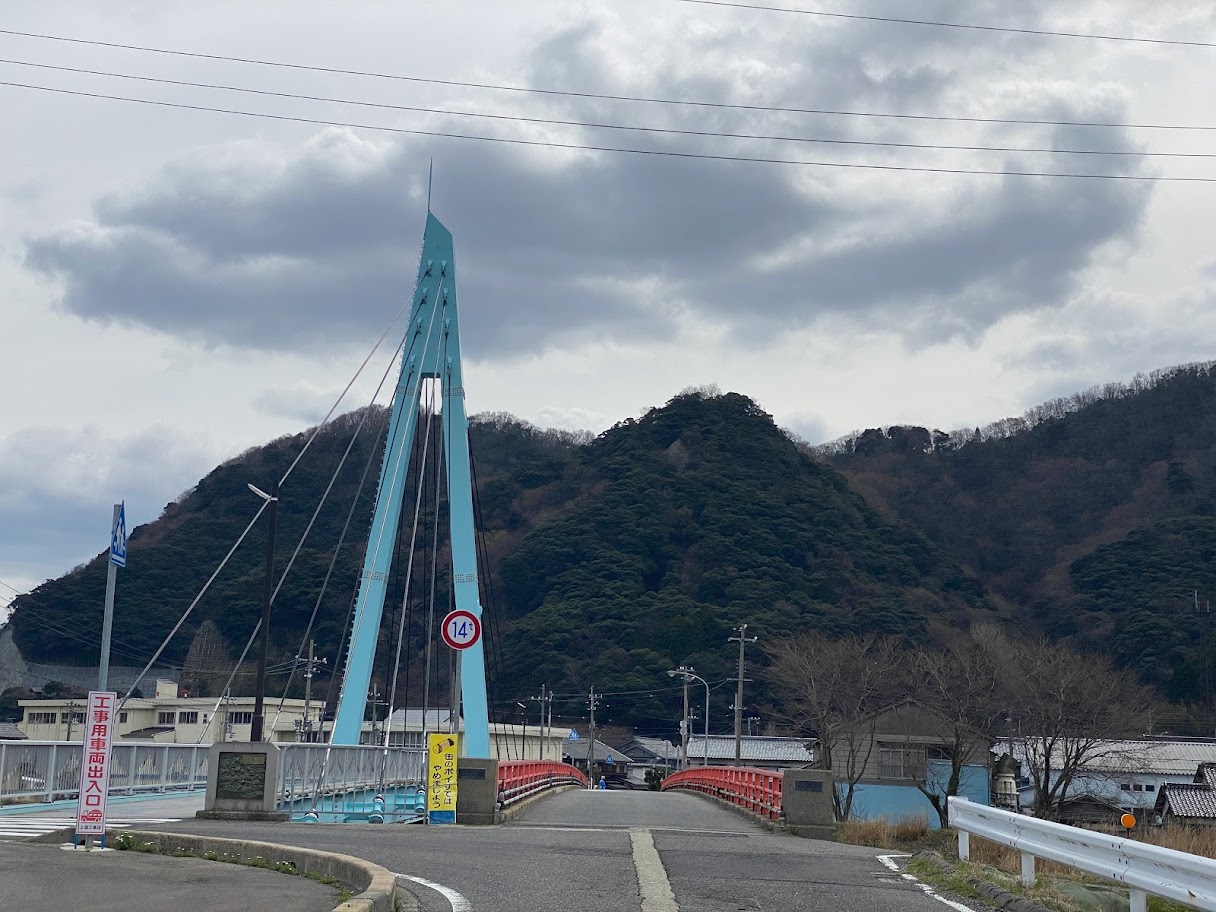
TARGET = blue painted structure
(904,801)
(432,350)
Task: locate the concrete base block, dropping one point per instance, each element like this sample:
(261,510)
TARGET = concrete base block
(806,798)
(242,779)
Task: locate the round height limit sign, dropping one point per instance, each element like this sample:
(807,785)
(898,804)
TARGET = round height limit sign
(461,629)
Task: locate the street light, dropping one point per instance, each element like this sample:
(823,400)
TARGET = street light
(687,674)
(272,500)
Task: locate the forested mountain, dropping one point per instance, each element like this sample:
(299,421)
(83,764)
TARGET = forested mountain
(1092,518)
(607,561)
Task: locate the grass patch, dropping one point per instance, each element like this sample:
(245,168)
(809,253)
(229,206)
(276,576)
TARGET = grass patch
(906,834)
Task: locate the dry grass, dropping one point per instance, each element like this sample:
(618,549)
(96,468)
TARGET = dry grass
(881,833)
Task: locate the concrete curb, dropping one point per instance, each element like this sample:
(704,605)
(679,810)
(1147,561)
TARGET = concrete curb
(380,891)
(998,896)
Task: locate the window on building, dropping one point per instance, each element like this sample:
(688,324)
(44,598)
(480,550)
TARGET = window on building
(241,718)
(1127,787)
(76,716)
(166,718)
(938,752)
(1150,788)
(42,718)
(1137,787)
(900,762)
(122,718)
(187,718)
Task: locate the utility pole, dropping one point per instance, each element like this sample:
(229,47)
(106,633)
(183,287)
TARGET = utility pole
(309,665)
(742,640)
(544,700)
(591,704)
(684,727)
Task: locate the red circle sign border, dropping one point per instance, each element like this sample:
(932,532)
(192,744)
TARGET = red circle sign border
(461,613)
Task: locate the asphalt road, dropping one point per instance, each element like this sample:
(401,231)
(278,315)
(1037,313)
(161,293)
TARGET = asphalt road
(612,851)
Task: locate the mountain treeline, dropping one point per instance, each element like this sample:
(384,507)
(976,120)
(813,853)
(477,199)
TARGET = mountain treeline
(608,561)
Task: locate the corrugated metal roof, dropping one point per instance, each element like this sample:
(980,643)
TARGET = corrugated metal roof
(659,748)
(756,748)
(1167,758)
(577,750)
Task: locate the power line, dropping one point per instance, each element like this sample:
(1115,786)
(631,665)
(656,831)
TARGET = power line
(589,147)
(896,20)
(598,125)
(602,96)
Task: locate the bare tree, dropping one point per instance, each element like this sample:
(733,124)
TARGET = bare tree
(959,689)
(1072,709)
(833,690)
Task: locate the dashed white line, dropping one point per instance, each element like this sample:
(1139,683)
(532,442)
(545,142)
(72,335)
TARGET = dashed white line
(889,862)
(652,878)
(455,900)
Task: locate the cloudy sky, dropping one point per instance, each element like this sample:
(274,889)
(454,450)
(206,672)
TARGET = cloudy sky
(177,284)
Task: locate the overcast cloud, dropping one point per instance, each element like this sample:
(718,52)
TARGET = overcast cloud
(180,285)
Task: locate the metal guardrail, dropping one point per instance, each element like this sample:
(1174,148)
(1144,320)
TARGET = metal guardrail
(50,770)
(517,779)
(757,790)
(1146,869)
(353,780)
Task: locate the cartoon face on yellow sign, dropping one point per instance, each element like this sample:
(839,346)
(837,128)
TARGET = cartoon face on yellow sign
(441,772)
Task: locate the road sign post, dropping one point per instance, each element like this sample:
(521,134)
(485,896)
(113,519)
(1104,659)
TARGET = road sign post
(118,558)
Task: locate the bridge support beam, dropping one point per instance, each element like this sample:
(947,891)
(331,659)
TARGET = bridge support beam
(806,798)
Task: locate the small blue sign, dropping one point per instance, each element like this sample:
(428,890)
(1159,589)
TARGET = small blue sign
(118,537)
(441,817)
(573,736)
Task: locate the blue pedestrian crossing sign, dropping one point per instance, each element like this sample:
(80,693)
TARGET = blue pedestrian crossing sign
(118,537)
(573,736)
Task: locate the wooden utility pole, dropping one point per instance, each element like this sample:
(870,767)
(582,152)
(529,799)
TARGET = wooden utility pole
(742,639)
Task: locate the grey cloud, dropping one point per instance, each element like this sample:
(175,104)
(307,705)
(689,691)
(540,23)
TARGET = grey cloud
(318,249)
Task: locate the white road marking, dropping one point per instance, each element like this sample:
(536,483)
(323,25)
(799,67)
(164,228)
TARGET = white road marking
(23,827)
(652,878)
(889,862)
(455,900)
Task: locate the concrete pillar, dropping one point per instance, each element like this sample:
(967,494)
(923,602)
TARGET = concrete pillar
(476,791)
(242,782)
(806,797)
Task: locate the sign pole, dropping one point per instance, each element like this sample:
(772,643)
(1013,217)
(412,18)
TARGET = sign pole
(118,558)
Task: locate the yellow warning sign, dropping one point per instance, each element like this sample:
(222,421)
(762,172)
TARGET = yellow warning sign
(441,779)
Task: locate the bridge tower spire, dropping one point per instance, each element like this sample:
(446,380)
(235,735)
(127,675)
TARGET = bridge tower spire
(431,351)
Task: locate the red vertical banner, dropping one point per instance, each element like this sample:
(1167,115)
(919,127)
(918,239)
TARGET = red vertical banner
(100,720)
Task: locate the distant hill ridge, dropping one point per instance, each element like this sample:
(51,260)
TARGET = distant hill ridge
(610,560)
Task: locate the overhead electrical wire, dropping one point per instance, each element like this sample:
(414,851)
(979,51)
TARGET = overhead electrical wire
(604,96)
(663,153)
(936,23)
(600,125)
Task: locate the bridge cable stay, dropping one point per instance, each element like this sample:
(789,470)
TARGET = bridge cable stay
(363,418)
(409,575)
(438,466)
(382,538)
(283,577)
(265,503)
(435,309)
(491,629)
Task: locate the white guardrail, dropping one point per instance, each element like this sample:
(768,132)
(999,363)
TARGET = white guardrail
(50,770)
(1184,878)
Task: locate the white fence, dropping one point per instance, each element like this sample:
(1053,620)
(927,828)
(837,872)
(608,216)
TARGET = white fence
(1184,878)
(335,782)
(49,770)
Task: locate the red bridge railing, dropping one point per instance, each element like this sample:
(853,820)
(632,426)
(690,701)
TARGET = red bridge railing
(757,790)
(517,779)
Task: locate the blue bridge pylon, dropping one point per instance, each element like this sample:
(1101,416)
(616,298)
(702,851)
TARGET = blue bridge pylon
(431,351)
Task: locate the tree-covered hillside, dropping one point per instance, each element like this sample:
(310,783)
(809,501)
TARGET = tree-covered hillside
(1091,519)
(607,561)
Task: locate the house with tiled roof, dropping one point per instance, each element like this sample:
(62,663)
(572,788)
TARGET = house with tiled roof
(10,732)
(1192,803)
(759,751)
